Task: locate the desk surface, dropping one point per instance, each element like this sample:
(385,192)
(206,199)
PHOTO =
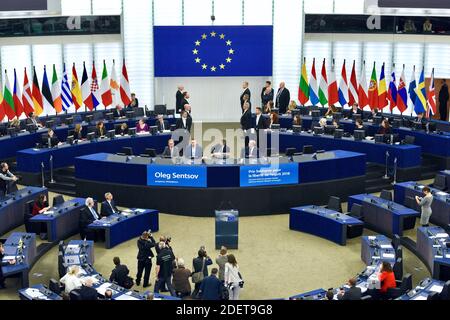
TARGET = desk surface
(56,212)
(391,206)
(24,255)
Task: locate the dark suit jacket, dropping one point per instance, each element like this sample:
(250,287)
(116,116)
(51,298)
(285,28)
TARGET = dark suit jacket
(166,153)
(87,293)
(246,91)
(211,288)
(77,135)
(135,106)
(246,120)
(119,274)
(106,209)
(282,100)
(188,124)
(179,99)
(119,114)
(86,218)
(262,124)
(100,133)
(122,132)
(182,103)
(352,293)
(197,264)
(166,125)
(188,152)
(54,141)
(265,98)
(145,248)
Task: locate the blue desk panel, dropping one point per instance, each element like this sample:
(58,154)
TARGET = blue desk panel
(446,173)
(322,222)
(45,294)
(96,167)
(29,160)
(386,216)
(423,290)
(440,206)
(14,207)
(119,228)
(62,221)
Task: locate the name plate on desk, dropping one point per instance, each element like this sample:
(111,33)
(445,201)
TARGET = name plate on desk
(176,176)
(265,175)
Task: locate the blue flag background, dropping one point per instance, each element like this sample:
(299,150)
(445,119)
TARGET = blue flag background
(213,51)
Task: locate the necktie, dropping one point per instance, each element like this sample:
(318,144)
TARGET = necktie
(94,213)
(163,128)
(112,207)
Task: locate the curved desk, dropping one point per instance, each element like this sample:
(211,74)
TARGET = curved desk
(324,223)
(424,289)
(199,190)
(29,160)
(14,207)
(25,256)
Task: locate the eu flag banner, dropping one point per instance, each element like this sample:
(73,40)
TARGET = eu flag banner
(213,51)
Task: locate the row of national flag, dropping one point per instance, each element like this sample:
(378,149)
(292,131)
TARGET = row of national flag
(378,95)
(61,95)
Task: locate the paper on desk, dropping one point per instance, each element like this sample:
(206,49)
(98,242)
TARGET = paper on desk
(49,212)
(447,256)
(126,297)
(388,255)
(371,237)
(442,235)
(101,290)
(140,210)
(420,297)
(385,246)
(35,294)
(436,288)
(8,258)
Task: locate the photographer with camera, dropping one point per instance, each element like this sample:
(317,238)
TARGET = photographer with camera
(145,254)
(200,266)
(164,268)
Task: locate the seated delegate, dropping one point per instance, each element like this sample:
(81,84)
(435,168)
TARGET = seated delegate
(353,292)
(142,127)
(7,180)
(41,206)
(119,112)
(88,216)
(385,128)
(221,150)
(387,278)
(122,130)
(162,124)
(77,132)
(50,140)
(193,151)
(100,130)
(108,206)
(171,151)
(250,152)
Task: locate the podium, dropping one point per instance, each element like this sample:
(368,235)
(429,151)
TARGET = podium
(227,229)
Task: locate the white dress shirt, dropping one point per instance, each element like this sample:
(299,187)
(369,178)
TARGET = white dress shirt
(70,282)
(94,214)
(232,274)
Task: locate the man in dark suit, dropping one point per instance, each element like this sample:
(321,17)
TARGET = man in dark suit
(120,273)
(87,292)
(193,151)
(33,119)
(119,112)
(3,264)
(250,152)
(50,140)
(185,122)
(184,101)
(353,293)
(246,118)
(211,287)
(179,99)
(244,93)
(108,206)
(443,101)
(162,124)
(171,150)
(261,122)
(221,150)
(145,254)
(88,216)
(267,94)
(283,98)
(134,102)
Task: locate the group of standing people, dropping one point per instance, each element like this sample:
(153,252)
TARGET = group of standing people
(269,100)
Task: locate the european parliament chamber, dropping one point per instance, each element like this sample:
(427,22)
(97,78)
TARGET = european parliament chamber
(223,150)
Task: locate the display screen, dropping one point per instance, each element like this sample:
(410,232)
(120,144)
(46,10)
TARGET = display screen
(23,5)
(415,4)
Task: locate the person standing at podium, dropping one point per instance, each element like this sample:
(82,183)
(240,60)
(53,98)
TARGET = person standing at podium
(145,254)
(425,205)
(108,206)
(4,264)
(7,180)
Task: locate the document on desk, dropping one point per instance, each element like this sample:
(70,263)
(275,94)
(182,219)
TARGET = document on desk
(35,294)
(126,297)
(436,288)
(101,290)
(8,258)
(442,235)
(140,210)
(388,255)
(362,286)
(385,246)
(372,237)
(420,297)
(48,213)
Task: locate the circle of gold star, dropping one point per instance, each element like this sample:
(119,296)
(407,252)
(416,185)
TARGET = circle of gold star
(204,37)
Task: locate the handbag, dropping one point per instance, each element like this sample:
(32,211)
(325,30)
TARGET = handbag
(241,283)
(198,277)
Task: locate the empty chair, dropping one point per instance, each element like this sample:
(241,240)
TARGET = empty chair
(58,200)
(308,149)
(53,285)
(396,241)
(150,152)
(440,182)
(128,151)
(445,293)
(398,269)
(29,227)
(402,287)
(433,296)
(386,195)
(356,211)
(334,203)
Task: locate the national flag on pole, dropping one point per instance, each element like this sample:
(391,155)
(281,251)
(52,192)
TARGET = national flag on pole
(353,89)
(93,100)
(37,96)
(85,87)
(392,92)
(77,98)
(402,95)
(373,89)
(105,90)
(382,90)
(125,92)
(17,97)
(363,99)
(323,86)
(27,101)
(114,85)
(432,109)
(8,100)
(303,88)
(56,92)
(66,94)
(343,87)
(333,95)
(47,94)
(313,93)
(412,87)
(2,109)
(421,100)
